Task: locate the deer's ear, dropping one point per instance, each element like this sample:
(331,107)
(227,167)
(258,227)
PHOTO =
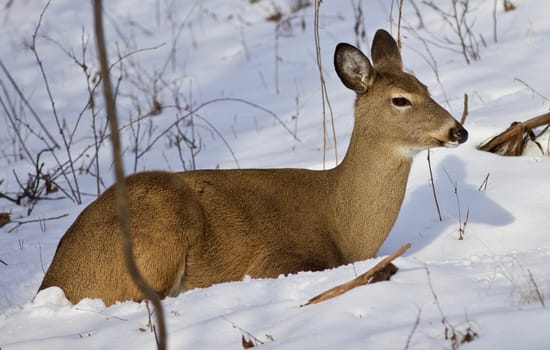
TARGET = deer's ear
(353,68)
(384,50)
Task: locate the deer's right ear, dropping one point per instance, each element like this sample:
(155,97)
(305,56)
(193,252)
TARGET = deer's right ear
(353,68)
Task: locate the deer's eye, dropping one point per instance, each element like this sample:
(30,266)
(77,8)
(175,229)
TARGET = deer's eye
(400,102)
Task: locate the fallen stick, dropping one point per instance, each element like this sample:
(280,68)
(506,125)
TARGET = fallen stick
(359,280)
(512,141)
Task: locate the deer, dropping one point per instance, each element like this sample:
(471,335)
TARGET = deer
(196,228)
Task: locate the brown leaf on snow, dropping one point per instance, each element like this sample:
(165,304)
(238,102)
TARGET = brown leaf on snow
(247,343)
(4,219)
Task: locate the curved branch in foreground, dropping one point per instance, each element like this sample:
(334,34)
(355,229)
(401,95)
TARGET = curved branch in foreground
(360,280)
(120,185)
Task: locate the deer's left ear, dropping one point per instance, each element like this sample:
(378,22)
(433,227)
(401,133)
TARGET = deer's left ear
(385,51)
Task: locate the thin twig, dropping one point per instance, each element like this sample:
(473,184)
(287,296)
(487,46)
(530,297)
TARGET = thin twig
(220,135)
(459,25)
(462,228)
(546,99)
(465,110)
(495,21)
(433,187)
(11,115)
(430,60)
(537,290)
(444,321)
(27,103)
(399,24)
(461,225)
(244,332)
(359,24)
(74,190)
(358,281)
(324,92)
(40,256)
(413,330)
(202,105)
(109,316)
(483,185)
(23,222)
(418,14)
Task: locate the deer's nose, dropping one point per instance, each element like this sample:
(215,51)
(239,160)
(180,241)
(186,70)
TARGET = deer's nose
(458,134)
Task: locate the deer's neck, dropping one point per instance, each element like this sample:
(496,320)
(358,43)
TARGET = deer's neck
(370,187)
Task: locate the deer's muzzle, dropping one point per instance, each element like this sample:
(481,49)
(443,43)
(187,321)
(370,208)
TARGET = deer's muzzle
(458,134)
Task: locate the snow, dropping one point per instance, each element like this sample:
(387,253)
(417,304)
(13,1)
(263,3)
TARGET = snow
(490,282)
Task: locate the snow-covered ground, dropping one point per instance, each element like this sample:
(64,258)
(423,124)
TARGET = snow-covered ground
(492,283)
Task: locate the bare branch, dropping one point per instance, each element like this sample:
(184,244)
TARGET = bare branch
(26,102)
(194,111)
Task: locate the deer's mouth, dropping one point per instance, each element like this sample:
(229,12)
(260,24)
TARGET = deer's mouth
(451,139)
(449,144)
(444,143)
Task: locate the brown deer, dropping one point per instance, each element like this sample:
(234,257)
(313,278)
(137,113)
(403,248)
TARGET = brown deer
(195,228)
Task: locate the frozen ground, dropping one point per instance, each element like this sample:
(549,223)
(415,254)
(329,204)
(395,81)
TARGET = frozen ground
(490,283)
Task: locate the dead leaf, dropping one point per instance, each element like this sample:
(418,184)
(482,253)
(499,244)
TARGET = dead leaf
(247,344)
(4,219)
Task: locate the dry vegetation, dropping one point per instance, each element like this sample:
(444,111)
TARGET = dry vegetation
(513,141)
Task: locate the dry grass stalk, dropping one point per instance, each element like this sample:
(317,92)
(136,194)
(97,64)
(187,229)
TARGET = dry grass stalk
(413,330)
(360,280)
(433,187)
(483,185)
(465,110)
(399,44)
(540,295)
(513,140)
(324,93)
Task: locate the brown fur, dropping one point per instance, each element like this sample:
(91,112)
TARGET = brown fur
(196,228)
